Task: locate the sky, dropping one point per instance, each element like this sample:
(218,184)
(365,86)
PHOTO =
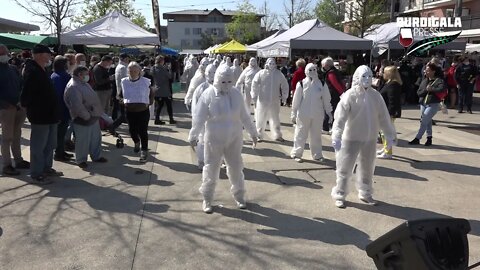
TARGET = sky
(10,10)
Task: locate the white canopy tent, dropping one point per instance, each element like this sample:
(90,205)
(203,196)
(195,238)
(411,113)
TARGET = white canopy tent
(254,47)
(113,29)
(311,34)
(14,26)
(211,49)
(472,48)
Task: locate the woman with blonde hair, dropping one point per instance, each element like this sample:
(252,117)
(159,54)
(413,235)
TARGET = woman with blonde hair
(392,95)
(137,96)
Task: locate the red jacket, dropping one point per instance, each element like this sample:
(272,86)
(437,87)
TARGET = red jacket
(298,75)
(451,82)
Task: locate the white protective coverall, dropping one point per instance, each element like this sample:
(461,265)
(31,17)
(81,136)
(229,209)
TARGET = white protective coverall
(359,116)
(189,70)
(309,105)
(210,74)
(237,69)
(222,113)
(244,82)
(269,87)
(197,79)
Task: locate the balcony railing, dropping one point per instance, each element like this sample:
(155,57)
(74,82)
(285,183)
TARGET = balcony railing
(471,22)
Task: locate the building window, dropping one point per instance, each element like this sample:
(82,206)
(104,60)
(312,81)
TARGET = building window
(197,43)
(197,31)
(187,31)
(185,43)
(449,12)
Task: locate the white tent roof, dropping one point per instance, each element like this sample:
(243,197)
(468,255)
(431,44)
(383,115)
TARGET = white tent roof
(472,48)
(113,29)
(382,34)
(312,34)
(14,26)
(263,42)
(207,51)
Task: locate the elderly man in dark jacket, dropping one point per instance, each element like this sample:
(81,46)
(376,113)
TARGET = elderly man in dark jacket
(12,116)
(162,87)
(40,99)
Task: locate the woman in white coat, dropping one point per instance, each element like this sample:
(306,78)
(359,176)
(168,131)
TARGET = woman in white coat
(359,116)
(244,82)
(310,103)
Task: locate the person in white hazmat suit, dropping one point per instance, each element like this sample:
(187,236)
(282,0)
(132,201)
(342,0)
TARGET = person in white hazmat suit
(210,74)
(189,70)
(359,116)
(237,69)
(310,103)
(244,82)
(197,79)
(222,113)
(269,87)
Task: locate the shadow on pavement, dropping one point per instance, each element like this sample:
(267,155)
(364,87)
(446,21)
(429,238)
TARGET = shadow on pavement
(263,152)
(267,177)
(291,226)
(389,172)
(447,167)
(408,213)
(100,198)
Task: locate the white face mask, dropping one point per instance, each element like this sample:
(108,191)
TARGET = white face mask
(225,84)
(4,59)
(49,63)
(86,78)
(83,63)
(271,65)
(311,71)
(366,81)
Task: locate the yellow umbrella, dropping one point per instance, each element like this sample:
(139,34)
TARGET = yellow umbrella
(231,47)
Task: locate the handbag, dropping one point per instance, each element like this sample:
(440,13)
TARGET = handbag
(441,95)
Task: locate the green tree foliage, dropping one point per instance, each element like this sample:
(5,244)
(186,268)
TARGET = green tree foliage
(206,41)
(331,13)
(244,27)
(366,15)
(95,9)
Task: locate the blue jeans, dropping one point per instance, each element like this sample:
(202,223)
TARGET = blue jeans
(427,113)
(43,140)
(88,140)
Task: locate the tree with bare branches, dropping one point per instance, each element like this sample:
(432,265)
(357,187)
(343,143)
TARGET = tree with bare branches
(53,12)
(366,15)
(270,19)
(298,11)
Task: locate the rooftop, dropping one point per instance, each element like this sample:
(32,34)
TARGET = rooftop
(204,12)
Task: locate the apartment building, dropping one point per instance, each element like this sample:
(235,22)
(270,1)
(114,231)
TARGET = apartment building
(185,27)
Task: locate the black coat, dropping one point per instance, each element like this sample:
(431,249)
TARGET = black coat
(392,94)
(438,85)
(38,95)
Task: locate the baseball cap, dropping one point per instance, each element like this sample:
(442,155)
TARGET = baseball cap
(39,48)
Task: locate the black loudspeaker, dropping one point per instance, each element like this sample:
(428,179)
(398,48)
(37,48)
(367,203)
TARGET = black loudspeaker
(428,244)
